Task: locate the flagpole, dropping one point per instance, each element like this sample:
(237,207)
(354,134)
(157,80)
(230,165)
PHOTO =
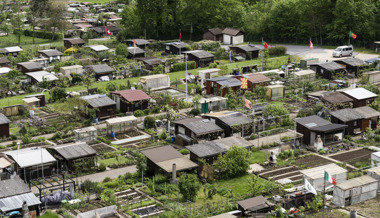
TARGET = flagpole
(349,37)
(324,190)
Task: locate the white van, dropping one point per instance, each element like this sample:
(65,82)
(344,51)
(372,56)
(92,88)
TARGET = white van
(341,51)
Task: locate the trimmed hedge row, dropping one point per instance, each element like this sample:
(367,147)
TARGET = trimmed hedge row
(182,66)
(43,35)
(277,51)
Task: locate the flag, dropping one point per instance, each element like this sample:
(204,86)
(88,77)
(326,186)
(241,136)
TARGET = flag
(309,187)
(311,45)
(134,47)
(180,34)
(248,104)
(108,31)
(265,44)
(329,178)
(353,35)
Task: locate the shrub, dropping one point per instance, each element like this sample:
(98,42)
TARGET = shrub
(163,135)
(322,151)
(195,112)
(138,113)
(43,34)
(212,65)
(149,122)
(290,185)
(182,66)
(377,138)
(184,151)
(277,51)
(252,137)
(102,167)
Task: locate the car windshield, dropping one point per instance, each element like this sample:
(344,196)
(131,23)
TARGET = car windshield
(338,49)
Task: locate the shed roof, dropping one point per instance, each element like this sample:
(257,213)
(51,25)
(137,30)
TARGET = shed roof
(5,161)
(137,50)
(132,95)
(75,41)
(51,52)
(5,70)
(4,60)
(156,76)
(151,60)
(206,149)
(199,54)
(226,81)
(85,129)
(257,78)
(347,115)
(336,98)
(304,73)
(199,126)
(360,93)
(31,65)
(33,156)
(4,119)
(182,163)
(40,76)
(102,68)
(248,48)
(139,41)
(216,31)
(177,44)
(319,172)
(329,66)
(12,187)
(329,127)
(312,121)
(253,203)
(74,151)
(118,120)
(13,49)
(72,67)
(355,62)
(30,100)
(367,112)
(162,153)
(231,118)
(15,202)
(230,31)
(356,182)
(98,47)
(98,100)
(212,70)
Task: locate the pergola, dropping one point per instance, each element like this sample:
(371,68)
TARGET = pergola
(120,124)
(87,134)
(52,183)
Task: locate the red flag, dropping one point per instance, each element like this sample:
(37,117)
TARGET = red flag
(353,35)
(180,34)
(248,104)
(265,44)
(311,45)
(108,31)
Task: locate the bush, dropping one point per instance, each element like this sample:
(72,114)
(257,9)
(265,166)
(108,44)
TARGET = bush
(195,112)
(184,151)
(212,65)
(322,151)
(163,135)
(102,167)
(252,137)
(377,138)
(290,185)
(149,122)
(182,66)
(277,51)
(138,113)
(43,34)
(57,94)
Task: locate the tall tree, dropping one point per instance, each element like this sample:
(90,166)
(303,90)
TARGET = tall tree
(17,19)
(37,10)
(55,13)
(188,185)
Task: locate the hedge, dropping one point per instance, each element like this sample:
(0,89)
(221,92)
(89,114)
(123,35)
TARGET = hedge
(43,35)
(182,66)
(277,51)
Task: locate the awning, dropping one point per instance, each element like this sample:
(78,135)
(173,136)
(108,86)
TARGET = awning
(118,120)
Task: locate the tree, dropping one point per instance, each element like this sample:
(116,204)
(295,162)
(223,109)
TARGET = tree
(57,94)
(275,110)
(149,122)
(88,77)
(188,185)
(122,50)
(37,9)
(55,13)
(17,20)
(235,162)
(158,70)
(141,164)
(255,185)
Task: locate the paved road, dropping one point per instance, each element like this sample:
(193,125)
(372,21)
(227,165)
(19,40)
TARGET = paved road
(322,53)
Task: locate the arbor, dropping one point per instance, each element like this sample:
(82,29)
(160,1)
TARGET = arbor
(235,162)
(189,186)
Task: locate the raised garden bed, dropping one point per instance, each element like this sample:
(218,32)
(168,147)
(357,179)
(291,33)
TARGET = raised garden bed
(312,161)
(102,148)
(352,157)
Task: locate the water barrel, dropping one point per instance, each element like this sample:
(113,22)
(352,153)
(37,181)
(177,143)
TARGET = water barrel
(96,120)
(172,139)
(112,134)
(353,214)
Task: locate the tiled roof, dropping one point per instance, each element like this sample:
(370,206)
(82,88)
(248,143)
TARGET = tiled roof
(133,95)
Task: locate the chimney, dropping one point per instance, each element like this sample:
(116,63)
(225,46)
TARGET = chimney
(174,174)
(25,210)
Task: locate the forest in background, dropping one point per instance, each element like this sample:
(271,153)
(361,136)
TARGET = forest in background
(326,22)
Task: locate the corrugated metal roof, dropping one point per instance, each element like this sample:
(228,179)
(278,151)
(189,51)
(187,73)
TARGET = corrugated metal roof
(312,121)
(31,65)
(4,119)
(356,182)
(360,93)
(15,202)
(257,78)
(319,172)
(118,120)
(40,76)
(200,54)
(31,156)
(98,47)
(98,100)
(226,81)
(74,151)
(200,127)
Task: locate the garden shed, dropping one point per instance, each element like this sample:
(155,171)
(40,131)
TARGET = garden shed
(374,172)
(73,42)
(256,205)
(4,62)
(4,71)
(51,54)
(99,48)
(26,67)
(135,52)
(316,175)
(214,104)
(249,51)
(252,80)
(207,74)
(141,43)
(175,48)
(304,75)
(75,69)
(13,193)
(327,69)
(69,155)
(151,62)
(352,65)
(101,70)
(120,124)
(161,159)
(14,51)
(155,82)
(4,126)
(198,128)
(337,100)
(355,190)
(201,58)
(373,76)
(275,91)
(217,86)
(361,96)
(33,162)
(233,123)
(130,100)
(40,76)
(87,134)
(40,96)
(30,103)
(104,106)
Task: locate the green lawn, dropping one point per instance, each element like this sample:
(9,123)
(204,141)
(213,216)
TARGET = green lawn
(112,161)
(26,41)
(239,185)
(258,157)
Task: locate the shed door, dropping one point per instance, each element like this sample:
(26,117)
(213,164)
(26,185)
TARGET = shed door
(365,124)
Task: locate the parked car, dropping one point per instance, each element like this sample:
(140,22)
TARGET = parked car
(341,51)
